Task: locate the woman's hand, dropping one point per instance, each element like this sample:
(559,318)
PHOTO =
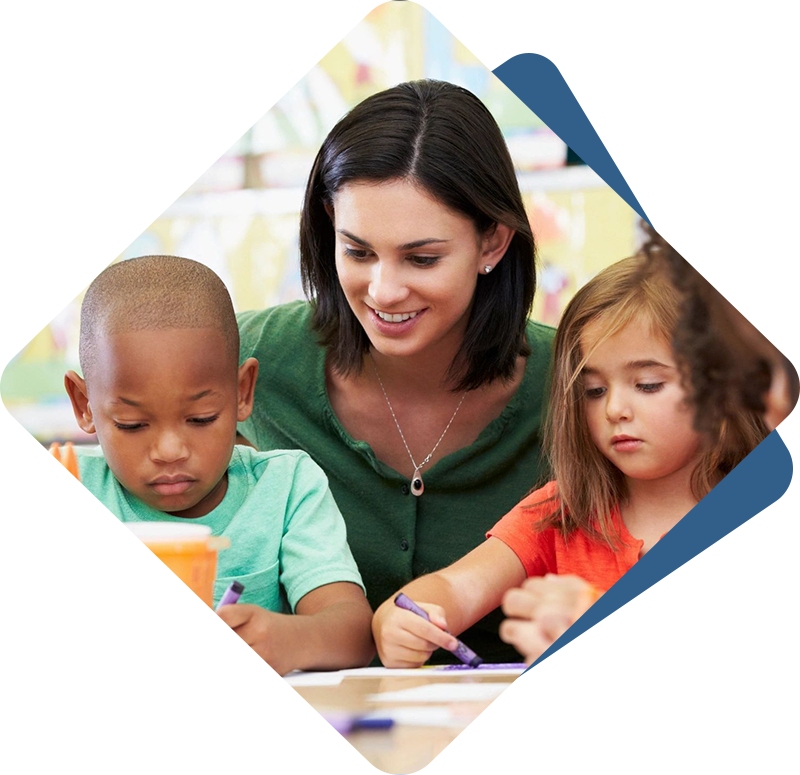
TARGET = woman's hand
(405,639)
(541,610)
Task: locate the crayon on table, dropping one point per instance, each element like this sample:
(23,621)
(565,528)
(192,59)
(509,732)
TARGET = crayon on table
(345,723)
(491,666)
(462,651)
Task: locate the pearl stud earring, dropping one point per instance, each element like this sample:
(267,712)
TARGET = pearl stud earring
(488,268)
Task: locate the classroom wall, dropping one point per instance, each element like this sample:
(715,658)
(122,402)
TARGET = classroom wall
(241,216)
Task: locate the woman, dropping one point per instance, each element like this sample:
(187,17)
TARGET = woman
(413,377)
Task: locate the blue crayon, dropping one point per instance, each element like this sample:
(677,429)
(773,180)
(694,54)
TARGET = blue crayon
(462,651)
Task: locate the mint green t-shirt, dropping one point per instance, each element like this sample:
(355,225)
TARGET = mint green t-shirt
(287,536)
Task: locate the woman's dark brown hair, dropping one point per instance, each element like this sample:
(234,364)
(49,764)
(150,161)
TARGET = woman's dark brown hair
(441,137)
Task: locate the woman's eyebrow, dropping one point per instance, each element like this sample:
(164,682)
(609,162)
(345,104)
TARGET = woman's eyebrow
(407,246)
(353,237)
(422,242)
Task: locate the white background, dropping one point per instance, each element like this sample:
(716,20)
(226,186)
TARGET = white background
(110,111)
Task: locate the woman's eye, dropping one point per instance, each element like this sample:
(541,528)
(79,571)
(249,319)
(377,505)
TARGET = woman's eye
(650,387)
(203,420)
(129,426)
(423,260)
(595,392)
(358,254)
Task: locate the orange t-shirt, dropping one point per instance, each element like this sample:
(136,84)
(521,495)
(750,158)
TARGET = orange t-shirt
(547,551)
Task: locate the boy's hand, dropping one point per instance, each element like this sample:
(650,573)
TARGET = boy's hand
(405,639)
(541,610)
(266,632)
(329,630)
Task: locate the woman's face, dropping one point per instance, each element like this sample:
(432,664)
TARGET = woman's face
(408,266)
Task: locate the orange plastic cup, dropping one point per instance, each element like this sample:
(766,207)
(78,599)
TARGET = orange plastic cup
(66,456)
(189,551)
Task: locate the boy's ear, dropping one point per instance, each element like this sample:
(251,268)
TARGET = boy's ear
(79,398)
(495,244)
(248,373)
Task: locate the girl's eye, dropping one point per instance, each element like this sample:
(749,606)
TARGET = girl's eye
(359,254)
(650,387)
(595,392)
(132,426)
(203,420)
(423,260)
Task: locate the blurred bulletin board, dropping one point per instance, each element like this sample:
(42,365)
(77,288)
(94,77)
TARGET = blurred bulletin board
(241,216)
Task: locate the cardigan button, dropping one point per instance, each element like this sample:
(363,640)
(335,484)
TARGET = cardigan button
(405,489)
(404,545)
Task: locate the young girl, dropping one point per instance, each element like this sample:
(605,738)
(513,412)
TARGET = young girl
(628,465)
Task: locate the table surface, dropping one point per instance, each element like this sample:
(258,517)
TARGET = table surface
(410,744)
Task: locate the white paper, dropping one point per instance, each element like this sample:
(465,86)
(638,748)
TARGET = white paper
(299,678)
(436,671)
(443,692)
(424,716)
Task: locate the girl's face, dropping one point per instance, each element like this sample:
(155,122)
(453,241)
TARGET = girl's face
(408,265)
(635,403)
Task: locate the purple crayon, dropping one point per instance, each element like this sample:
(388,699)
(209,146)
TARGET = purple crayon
(462,651)
(232,594)
(344,723)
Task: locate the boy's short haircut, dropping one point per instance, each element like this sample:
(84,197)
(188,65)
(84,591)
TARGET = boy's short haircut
(155,292)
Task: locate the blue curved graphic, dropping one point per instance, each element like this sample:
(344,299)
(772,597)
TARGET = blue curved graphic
(758,481)
(539,84)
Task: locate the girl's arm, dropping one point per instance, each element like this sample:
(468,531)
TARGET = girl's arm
(330,630)
(455,598)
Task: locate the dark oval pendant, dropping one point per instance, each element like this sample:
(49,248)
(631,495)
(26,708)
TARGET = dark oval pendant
(417,487)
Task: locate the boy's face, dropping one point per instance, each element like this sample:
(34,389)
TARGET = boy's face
(164,405)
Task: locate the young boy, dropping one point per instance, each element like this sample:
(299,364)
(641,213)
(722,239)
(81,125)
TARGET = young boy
(163,390)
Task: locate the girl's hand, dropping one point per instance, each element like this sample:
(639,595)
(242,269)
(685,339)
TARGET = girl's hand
(404,639)
(266,632)
(541,610)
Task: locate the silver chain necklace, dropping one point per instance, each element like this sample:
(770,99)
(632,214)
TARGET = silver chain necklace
(417,485)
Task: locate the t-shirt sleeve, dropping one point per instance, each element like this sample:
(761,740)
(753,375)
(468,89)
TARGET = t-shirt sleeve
(314,549)
(518,531)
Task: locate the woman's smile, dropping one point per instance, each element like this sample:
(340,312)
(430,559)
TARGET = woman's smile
(397,317)
(394,324)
